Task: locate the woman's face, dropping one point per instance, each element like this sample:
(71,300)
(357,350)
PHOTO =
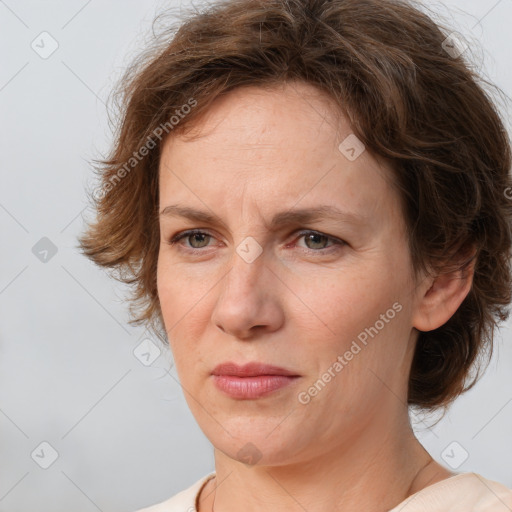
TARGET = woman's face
(329,296)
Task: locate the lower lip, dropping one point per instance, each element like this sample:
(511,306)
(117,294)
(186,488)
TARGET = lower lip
(251,387)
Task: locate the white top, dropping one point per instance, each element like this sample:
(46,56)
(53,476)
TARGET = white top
(465,492)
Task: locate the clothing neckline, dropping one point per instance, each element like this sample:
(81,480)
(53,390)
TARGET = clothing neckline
(422,492)
(205,480)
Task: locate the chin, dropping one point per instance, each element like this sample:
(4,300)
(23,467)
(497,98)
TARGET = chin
(256,441)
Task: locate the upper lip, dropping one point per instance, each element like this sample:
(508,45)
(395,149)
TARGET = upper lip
(250,370)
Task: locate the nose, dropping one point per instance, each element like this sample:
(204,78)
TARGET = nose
(248,302)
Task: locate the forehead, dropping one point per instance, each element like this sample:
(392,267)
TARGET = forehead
(265,117)
(271,146)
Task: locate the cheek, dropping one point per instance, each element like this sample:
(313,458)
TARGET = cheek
(179,290)
(184,303)
(347,369)
(345,302)
(358,314)
(173,303)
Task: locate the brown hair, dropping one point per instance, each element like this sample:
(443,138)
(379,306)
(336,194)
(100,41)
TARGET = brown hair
(386,65)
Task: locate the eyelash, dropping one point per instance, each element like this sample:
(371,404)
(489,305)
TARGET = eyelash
(336,243)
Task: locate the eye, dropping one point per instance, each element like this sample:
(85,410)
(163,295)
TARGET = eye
(196,238)
(316,241)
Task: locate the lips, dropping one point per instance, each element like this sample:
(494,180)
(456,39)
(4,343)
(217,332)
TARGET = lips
(251,381)
(250,370)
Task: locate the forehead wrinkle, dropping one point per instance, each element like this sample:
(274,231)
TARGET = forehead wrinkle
(256,205)
(246,184)
(242,197)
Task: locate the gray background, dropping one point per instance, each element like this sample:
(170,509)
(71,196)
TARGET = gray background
(69,371)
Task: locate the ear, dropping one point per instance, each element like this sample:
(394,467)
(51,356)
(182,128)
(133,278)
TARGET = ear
(439,297)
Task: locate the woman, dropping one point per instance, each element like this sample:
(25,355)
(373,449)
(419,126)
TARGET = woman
(310,197)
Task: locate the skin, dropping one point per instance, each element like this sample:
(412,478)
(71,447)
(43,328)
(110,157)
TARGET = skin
(298,305)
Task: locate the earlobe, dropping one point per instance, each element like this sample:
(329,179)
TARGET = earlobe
(441,296)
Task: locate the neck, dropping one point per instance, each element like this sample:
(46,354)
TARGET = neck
(376,471)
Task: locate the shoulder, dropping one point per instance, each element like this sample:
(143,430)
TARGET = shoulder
(492,496)
(465,492)
(184,501)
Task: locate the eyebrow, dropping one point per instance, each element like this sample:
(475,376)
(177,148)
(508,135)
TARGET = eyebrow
(295,216)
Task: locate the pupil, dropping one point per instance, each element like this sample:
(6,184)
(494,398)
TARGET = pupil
(314,238)
(195,237)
